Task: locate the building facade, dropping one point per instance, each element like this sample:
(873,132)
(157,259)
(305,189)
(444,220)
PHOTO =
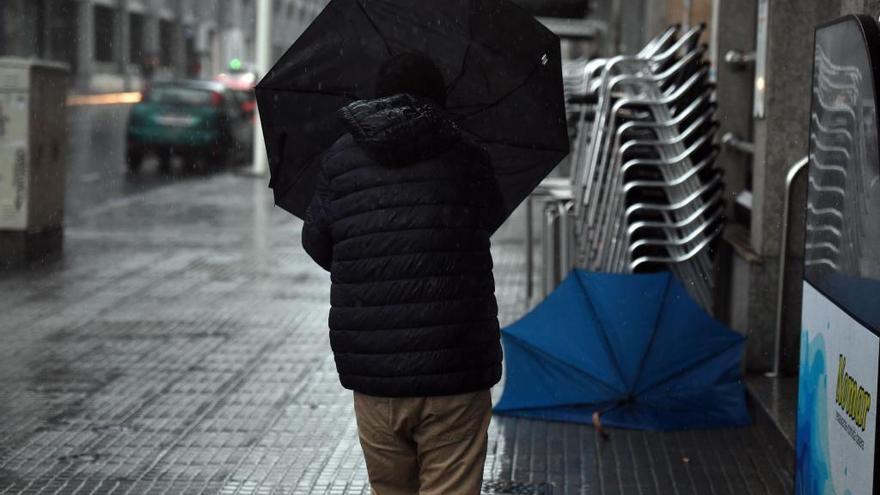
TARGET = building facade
(114,45)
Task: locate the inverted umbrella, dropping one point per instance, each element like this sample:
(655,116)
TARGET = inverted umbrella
(501,66)
(633,348)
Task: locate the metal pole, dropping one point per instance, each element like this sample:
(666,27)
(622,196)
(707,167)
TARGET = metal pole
(263,39)
(616,38)
(688,12)
(530,262)
(783,248)
(550,249)
(565,245)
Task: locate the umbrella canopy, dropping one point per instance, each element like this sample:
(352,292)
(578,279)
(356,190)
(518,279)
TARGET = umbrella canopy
(501,66)
(635,348)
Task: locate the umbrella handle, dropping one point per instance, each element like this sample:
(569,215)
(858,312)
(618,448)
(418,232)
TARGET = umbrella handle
(597,423)
(597,416)
(281,141)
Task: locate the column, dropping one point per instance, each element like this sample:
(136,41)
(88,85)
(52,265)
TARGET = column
(178,46)
(781,138)
(151,32)
(123,42)
(733,31)
(86,45)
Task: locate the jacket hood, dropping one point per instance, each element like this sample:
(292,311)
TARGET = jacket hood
(401,129)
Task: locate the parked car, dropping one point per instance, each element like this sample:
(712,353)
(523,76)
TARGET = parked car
(201,121)
(242,83)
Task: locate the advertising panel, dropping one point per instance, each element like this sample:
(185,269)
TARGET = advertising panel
(14,92)
(837,410)
(840,347)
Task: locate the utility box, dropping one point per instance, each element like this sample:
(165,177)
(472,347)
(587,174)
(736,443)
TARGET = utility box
(32,159)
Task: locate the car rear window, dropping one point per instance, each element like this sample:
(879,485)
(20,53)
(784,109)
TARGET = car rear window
(180,96)
(244,95)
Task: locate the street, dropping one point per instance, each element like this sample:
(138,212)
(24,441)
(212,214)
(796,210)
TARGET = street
(683,279)
(180,346)
(96,169)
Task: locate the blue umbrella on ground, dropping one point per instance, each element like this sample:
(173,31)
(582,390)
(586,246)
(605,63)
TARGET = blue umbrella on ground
(633,349)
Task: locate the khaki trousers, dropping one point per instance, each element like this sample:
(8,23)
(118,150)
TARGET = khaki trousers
(424,445)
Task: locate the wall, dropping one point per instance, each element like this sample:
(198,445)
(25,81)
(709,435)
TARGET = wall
(794,255)
(870,7)
(781,139)
(701,11)
(17,28)
(216,30)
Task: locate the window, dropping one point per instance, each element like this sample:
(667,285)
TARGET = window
(181,95)
(104,29)
(166,42)
(191,56)
(135,37)
(577,9)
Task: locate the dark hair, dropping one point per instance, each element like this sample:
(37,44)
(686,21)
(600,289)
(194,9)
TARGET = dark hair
(412,73)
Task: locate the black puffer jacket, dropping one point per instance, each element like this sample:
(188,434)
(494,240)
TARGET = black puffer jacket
(401,218)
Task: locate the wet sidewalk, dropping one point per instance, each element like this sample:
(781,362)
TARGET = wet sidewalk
(181,347)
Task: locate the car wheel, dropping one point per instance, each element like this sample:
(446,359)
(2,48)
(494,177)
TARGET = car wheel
(165,161)
(224,155)
(190,162)
(227,151)
(134,157)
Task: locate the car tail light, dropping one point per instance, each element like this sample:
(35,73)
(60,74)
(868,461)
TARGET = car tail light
(216,99)
(248,106)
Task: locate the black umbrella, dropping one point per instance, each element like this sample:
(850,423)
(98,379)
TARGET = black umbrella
(502,69)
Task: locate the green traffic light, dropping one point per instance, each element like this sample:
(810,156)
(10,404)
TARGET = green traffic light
(235,64)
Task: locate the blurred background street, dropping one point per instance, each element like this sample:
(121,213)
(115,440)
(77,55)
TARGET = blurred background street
(181,347)
(163,331)
(96,171)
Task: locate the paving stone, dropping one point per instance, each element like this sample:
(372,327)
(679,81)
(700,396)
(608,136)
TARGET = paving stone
(180,347)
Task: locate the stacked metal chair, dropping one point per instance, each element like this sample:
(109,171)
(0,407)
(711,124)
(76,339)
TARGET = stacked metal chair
(833,147)
(646,193)
(556,193)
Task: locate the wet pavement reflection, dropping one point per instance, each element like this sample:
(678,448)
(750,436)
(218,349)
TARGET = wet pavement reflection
(180,346)
(96,169)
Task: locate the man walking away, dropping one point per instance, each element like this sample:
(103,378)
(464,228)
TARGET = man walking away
(401,218)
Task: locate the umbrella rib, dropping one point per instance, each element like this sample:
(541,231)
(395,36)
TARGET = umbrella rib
(375,27)
(605,341)
(310,163)
(311,92)
(653,334)
(682,371)
(504,96)
(458,77)
(467,53)
(527,412)
(531,147)
(463,67)
(610,388)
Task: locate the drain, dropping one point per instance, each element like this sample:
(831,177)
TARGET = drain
(79,458)
(516,488)
(110,428)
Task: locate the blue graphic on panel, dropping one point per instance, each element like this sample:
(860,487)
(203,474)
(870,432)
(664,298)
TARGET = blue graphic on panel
(813,475)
